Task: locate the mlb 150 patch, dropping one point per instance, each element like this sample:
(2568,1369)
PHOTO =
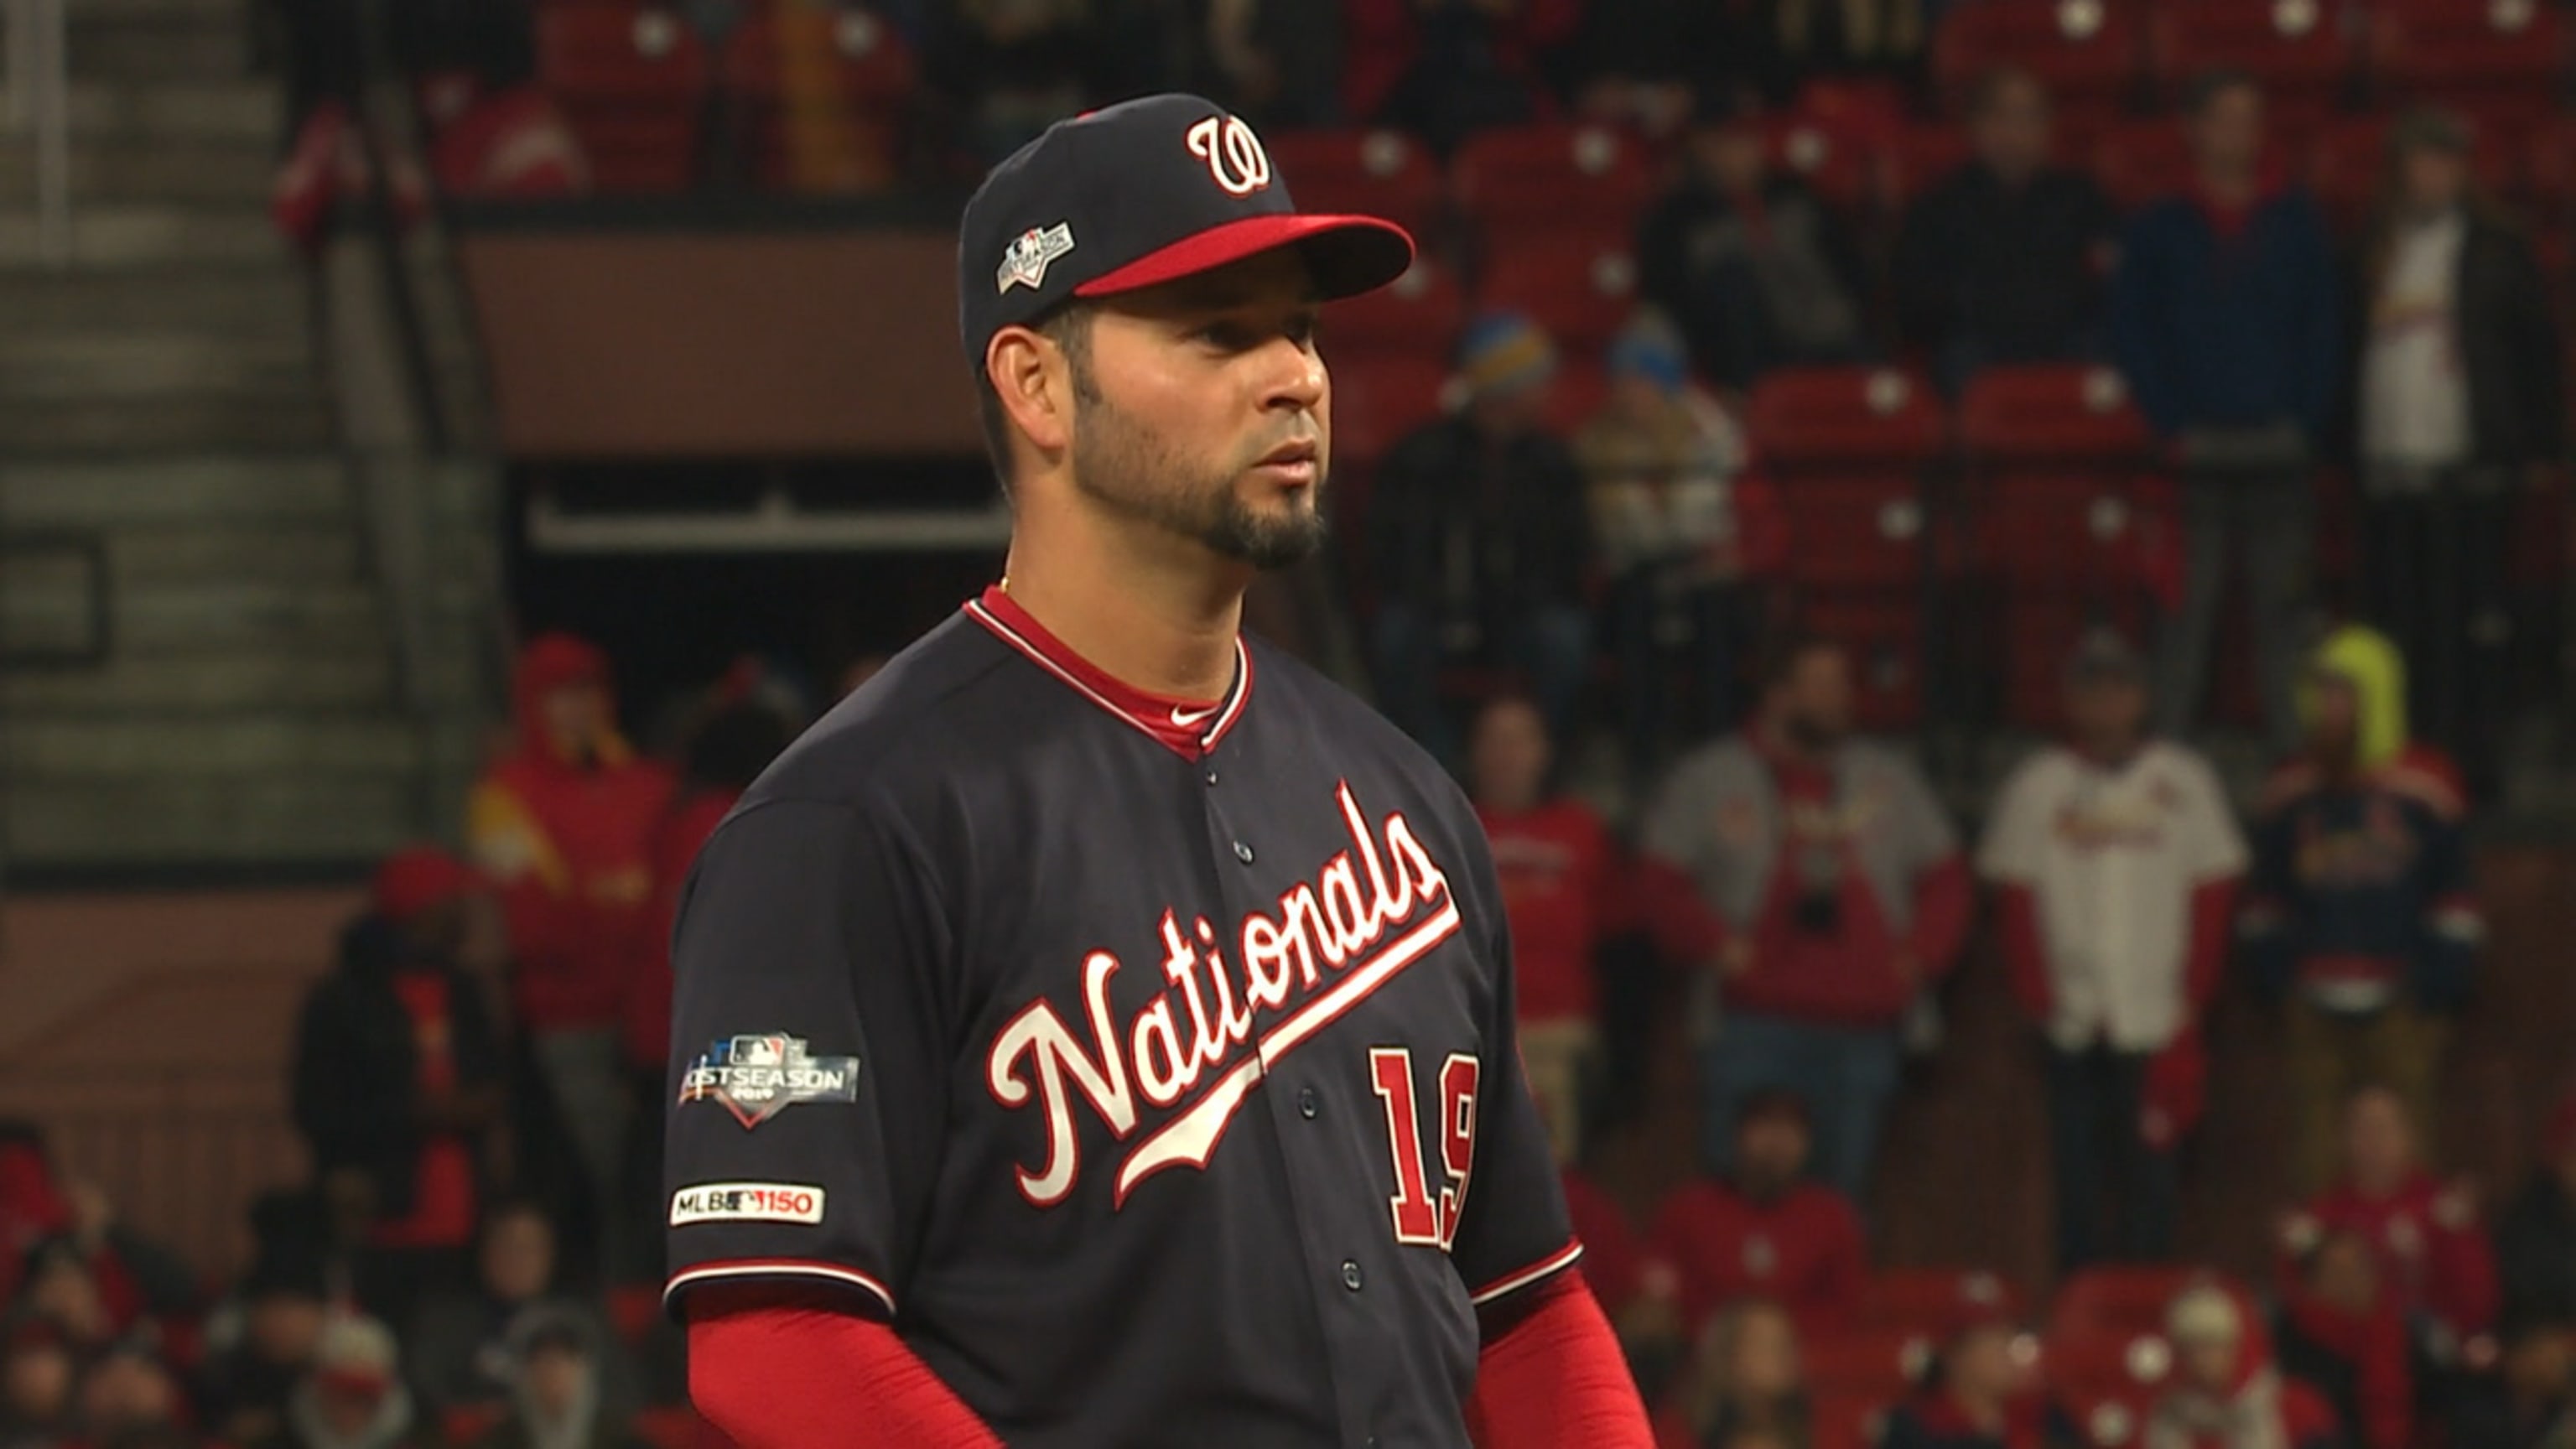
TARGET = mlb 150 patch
(757,1077)
(746,1202)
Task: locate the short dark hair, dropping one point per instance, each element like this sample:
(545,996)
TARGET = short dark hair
(2207,86)
(1068,327)
(1781,661)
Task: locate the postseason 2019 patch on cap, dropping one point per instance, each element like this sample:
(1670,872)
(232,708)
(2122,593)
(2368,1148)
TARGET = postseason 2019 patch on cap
(1136,194)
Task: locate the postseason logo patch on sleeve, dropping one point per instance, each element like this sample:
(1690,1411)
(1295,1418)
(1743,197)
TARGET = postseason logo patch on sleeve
(746,1202)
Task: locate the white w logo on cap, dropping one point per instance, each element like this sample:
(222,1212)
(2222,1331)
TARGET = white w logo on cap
(1232,153)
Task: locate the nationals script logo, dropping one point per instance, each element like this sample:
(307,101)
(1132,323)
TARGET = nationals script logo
(1372,911)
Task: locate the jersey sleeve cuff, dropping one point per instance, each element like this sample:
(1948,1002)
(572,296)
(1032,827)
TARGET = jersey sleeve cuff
(837,1277)
(1536,1273)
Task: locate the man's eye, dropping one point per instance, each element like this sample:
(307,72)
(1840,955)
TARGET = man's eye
(1227,336)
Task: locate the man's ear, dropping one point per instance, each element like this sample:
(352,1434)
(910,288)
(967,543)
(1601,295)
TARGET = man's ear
(1030,377)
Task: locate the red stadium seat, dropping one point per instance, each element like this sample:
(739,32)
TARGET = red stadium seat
(630,80)
(2089,53)
(2050,414)
(1874,1364)
(1927,1301)
(2085,534)
(2498,60)
(2139,162)
(1375,172)
(1922,158)
(1849,175)
(2549,171)
(826,91)
(1579,286)
(2300,50)
(1885,635)
(1525,179)
(1580,388)
(1848,447)
(1377,400)
(2350,159)
(2099,1386)
(2118,1303)
(1841,416)
(1847,1421)
(1415,316)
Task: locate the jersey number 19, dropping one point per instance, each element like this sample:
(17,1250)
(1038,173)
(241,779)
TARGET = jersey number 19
(1418,1219)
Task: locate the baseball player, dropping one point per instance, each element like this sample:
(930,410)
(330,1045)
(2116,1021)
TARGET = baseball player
(1097,1030)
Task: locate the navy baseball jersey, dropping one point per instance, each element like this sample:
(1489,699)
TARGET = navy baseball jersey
(1147,1065)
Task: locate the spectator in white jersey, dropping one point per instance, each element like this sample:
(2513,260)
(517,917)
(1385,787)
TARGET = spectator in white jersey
(2114,860)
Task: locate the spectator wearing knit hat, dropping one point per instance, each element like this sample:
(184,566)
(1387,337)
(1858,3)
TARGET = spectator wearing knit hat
(555,1399)
(2225,1391)
(397,1079)
(353,1397)
(2114,859)
(260,1349)
(1681,529)
(1478,541)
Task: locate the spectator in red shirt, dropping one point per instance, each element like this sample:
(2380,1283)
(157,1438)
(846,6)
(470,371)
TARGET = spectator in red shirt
(564,828)
(2340,1333)
(1765,1231)
(1820,886)
(397,1080)
(2432,1247)
(1556,863)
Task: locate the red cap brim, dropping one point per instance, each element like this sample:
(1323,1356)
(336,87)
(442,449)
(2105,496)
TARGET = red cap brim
(1347,254)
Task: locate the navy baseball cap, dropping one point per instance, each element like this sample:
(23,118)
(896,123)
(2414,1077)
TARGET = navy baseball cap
(1137,194)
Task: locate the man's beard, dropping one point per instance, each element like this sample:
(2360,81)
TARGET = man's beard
(1123,467)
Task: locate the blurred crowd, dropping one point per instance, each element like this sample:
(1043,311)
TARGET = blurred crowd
(1780,899)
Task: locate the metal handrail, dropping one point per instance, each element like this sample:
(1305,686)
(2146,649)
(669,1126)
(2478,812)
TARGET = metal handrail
(39,100)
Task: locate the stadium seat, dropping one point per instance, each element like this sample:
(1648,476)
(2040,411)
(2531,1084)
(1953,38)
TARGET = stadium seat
(1374,172)
(630,80)
(1921,158)
(2050,414)
(1377,400)
(1813,417)
(1415,316)
(2089,535)
(2142,161)
(1877,1365)
(1524,180)
(2548,178)
(2089,53)
(1847,1421)
(1579,286)
(826,91)
(1850,176)
(1927,1300)
(2350,159)
(2300,50)
(2497,60)
(2117,1302)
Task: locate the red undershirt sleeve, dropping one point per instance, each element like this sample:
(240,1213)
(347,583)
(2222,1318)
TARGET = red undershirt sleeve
(1553,1375)
(775,1369)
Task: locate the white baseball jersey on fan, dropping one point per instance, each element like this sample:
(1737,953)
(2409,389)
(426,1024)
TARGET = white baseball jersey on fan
(2113,855)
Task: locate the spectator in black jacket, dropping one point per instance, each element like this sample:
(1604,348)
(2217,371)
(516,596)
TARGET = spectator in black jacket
(1749,263)
(463,1343)
(258,1353)
(2536,1237)
(2004,261)
(2460,396)
(398,1081)
(555,1391)
(1478,538)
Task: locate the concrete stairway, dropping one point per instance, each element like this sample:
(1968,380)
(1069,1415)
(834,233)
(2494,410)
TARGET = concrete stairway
(165,398)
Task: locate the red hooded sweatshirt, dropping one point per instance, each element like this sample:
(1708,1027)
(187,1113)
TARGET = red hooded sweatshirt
(566,837)
(1803,1250)
(1560,895)
(2433,1252)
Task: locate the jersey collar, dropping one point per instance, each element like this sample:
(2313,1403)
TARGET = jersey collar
(1187,727)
